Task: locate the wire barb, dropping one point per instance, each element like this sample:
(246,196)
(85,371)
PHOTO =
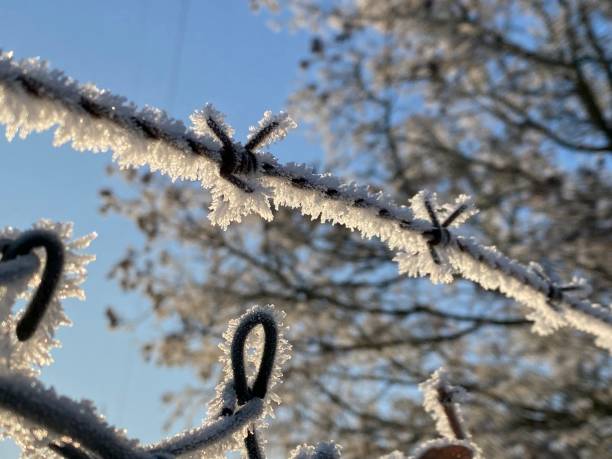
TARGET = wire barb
(555,288)
(439,234)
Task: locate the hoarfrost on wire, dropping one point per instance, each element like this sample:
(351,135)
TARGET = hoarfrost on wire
(138,137)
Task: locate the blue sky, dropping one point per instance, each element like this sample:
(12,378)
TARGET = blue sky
(175,55)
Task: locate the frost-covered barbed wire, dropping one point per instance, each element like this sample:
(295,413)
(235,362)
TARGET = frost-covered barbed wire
(35,98)
(52,417)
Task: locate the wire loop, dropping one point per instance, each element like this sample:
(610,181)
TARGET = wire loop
(244,393)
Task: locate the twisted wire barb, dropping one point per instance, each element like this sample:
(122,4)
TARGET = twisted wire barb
(393,224)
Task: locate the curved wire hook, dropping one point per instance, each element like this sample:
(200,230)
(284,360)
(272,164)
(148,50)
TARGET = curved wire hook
(52,273)
(244,393)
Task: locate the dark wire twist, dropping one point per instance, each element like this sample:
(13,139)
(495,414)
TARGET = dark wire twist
(234,157)
(439,233)
(52,273)
(556,291)
(244,393)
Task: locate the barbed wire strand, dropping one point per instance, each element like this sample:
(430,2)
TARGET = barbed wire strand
(33,81)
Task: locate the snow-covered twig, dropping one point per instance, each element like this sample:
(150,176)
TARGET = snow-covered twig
(35,98)
(441,401)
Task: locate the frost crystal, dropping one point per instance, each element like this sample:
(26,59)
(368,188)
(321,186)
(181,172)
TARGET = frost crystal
(220,434)
(200,120)
(271,128)
(215,436)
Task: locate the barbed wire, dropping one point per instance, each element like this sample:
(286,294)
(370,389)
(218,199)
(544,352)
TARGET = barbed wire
(79,112)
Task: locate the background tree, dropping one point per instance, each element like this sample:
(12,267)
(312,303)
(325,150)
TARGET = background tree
(510,101)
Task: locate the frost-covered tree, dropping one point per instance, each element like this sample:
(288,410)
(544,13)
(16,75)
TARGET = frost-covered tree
(508,101)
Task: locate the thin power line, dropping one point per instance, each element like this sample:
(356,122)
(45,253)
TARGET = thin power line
(179,44)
